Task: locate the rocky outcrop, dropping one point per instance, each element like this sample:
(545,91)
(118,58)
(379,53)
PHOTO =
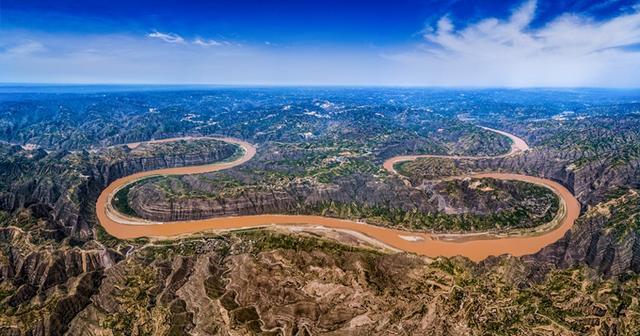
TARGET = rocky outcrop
(590,182)
(606,238)
(55,283)
(257,285)
(65,186)
(64,310)
(591,241)
(36,270)
(49,266)
(129,166)
(161,199)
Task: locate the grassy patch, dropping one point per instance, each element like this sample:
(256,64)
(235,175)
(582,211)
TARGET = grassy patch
(437,221)
(265,240)
(120,200)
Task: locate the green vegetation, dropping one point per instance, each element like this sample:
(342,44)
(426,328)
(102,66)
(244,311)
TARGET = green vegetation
(175,188)
(429,168)
(437,221)
(135,294)
(622,212)
(237,154)
(244,315)
(5,293)
(327,142)
(214,286)
(120,200)
(571,300)
(346,167)
(464,139)
(266,240)
(4,218)
(595,139)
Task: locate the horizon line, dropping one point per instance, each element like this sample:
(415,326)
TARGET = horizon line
(306,85)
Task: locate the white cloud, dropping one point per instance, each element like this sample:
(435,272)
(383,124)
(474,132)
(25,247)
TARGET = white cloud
(567,35)
(198,41)
(24,49)
(571,50)
(207,43)
(167,37)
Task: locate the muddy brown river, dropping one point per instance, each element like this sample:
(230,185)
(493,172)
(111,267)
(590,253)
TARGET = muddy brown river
(475,246)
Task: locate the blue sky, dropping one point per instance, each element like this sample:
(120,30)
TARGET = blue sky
(405,42)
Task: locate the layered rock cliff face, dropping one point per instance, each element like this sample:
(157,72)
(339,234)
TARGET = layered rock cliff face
(129,166)
(150,202)
(606,237)
(590,182)
(62,187)
(590,241)
(153,202)
(198,197)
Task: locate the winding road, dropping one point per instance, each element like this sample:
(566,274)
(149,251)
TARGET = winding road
(475,246)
